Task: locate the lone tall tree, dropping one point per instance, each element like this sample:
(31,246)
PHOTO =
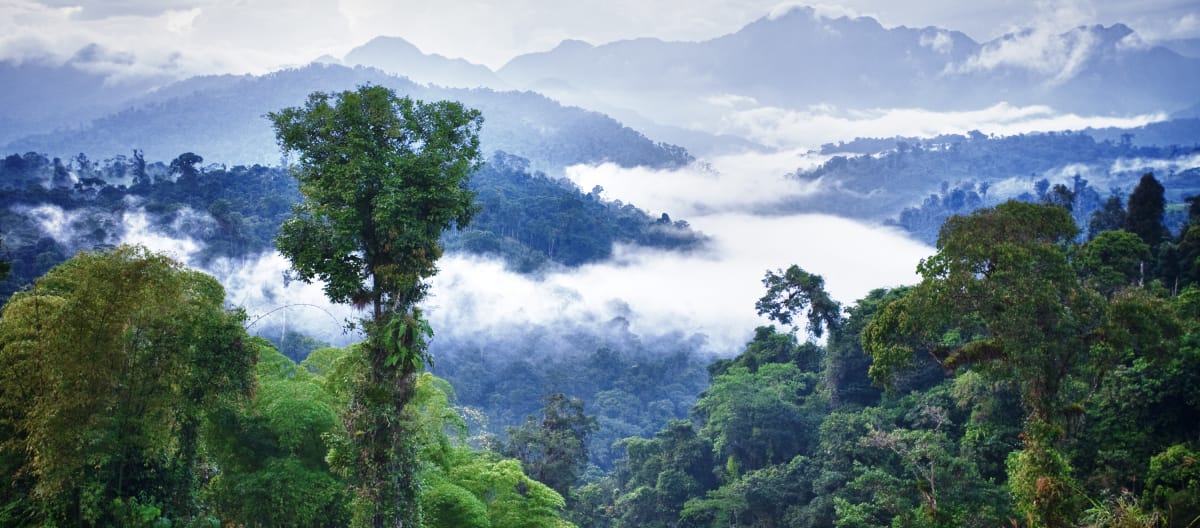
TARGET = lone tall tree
(383,177)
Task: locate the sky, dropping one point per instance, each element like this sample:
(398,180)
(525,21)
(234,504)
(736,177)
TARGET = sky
(255,36)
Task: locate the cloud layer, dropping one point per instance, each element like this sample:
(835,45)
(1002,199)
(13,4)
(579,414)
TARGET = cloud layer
(786,128)
(219,36)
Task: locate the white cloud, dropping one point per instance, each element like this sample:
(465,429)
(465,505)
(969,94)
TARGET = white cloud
(731,101)
(1055,46)
(1155,165)
(710,293)
(781,127)
(743,182)
(938,41)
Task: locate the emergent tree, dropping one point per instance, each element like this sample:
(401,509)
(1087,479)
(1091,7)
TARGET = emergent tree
(382,176)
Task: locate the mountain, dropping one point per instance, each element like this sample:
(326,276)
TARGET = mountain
(397,56)
(1185,47)
(800,59)
(221,118)
(40,95)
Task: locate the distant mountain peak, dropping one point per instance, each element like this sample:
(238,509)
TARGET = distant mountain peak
(572,44)
(390,44)
(400,57)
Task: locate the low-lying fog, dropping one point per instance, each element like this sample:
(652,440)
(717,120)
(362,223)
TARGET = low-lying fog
(737,200)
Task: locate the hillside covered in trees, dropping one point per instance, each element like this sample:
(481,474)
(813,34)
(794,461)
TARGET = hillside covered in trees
(1032,376)
(918,183)
(1028,379)
(52,208)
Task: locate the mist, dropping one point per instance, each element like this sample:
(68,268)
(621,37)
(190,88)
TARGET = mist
(789,128)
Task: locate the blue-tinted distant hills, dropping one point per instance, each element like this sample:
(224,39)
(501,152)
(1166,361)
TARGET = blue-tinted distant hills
(398,56)
(40,95)
(221,118)
(800,59)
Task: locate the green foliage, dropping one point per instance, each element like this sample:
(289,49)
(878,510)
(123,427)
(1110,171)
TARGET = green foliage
(448,505)
(793,291)
(383,177)
(1108,218)
(513,499)
(553,449)
(109,365)
(735,409)
(1174,484)
(1147,205)
(370,164)
(529,219)
(1113,260)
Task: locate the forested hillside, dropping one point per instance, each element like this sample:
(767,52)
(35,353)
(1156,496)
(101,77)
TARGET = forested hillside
(1027,380)
(918,183)
(52,208)
(221,118)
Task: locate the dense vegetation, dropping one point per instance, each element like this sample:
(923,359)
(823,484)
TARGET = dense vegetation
(919,183)
(175,417)
(224,120)
(50,208)
(1030,380)
(1032,377)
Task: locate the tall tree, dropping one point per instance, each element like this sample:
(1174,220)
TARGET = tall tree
(5,267)
(1147,205)
(382,177)
(554,449)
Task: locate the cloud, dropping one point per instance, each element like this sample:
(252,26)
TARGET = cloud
(786,128)
(732,101)
(938,41)
(1158,165)
(1056,46)
(743,182)
(82,10)
(174,40)
(709,293)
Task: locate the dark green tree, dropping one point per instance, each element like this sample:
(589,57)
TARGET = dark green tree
(1147,205)
(553,450)
(1109,217)
(5,267)
(383,177)
(791,292)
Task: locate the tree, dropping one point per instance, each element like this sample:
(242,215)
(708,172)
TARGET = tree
(1147,205)
(5,267)
(1113,260)
(382,177)
(1111,216)
(554,449)
(107,367)
(791,292)
(1001,295)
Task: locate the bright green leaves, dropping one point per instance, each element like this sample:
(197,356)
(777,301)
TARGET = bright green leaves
(108,365)
(404,338)
(383,176)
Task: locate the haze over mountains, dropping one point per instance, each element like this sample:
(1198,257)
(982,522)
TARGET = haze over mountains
(780,68)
